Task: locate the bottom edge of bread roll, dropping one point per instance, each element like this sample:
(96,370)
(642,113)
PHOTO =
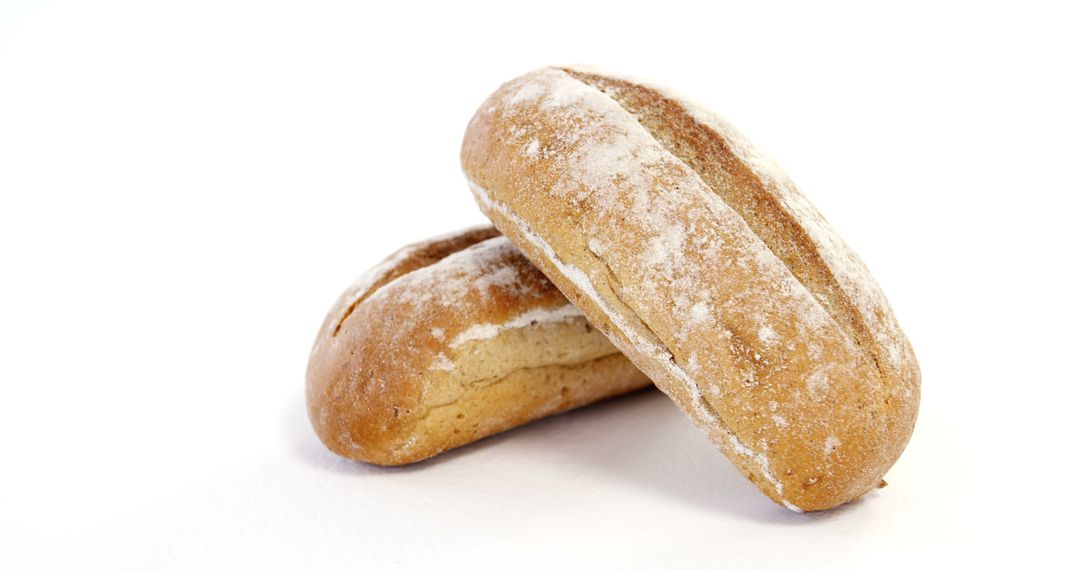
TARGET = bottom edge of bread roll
(519,398)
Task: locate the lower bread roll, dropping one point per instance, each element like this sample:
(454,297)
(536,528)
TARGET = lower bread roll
(705,265)
(449,341)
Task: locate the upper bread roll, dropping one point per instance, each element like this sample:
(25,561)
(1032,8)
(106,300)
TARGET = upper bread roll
(449,341)
(705,265)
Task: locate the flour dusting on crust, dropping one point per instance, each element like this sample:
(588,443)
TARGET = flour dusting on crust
(532,317)
(657,353)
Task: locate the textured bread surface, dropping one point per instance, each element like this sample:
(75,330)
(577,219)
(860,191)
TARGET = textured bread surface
(705,265)
(449,341)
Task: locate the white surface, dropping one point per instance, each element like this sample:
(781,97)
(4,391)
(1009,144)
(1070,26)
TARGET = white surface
(185,187)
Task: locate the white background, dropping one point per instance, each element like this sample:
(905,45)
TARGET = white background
(185,187)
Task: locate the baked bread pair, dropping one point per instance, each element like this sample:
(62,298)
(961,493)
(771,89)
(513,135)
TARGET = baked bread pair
(695,257)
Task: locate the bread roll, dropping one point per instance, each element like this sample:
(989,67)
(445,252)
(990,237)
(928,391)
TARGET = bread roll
(449,341)
(704,264)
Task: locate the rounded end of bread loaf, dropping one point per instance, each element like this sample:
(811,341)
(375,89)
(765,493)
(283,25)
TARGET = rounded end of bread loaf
(358,396)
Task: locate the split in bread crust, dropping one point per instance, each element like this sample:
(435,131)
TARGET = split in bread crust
(449,341)
(709,269)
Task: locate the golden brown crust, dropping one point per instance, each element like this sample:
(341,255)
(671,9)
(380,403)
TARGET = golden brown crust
(407,259)
(449,341)
(708,269)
